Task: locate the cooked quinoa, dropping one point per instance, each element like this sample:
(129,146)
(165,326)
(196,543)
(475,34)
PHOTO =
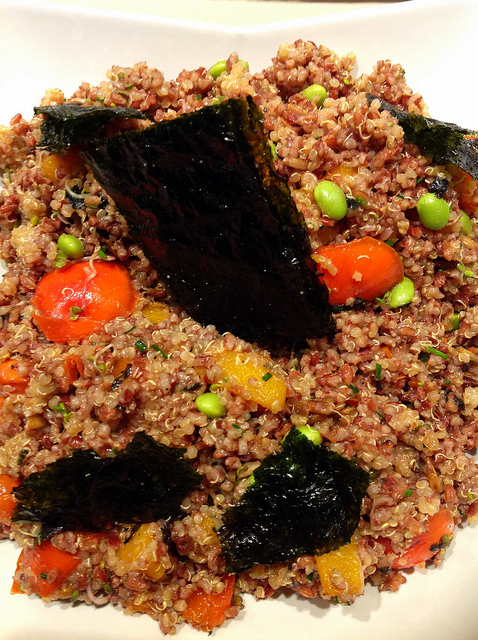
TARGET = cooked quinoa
(396,389)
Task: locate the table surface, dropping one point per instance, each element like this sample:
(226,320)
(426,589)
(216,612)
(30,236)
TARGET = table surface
(231,12)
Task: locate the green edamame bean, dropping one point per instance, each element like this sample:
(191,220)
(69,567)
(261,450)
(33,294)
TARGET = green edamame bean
(466,226)
(401,294)
(434,212)
(331,199)
(210,404)
(70,246)
(311,434)
(218,68)
(315,93)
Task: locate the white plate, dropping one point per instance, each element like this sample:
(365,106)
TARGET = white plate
(436,44)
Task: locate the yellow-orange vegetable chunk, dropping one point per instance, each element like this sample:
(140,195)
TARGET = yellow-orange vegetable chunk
(248,375)
(156,312)
(341,571)
(144,539)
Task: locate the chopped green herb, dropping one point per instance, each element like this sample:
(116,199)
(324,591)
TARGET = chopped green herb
(378,371)
(108,588)
(74,595)
(129,330)
(160,351)
(424,357)
(380,415)
(267,376)
(75,312)
(408,493)
(43,576)
(140,345)
(390,242)
(198,96)
(455,322)
(361,200)
(60,407)
(353,388)
(436,352)
(128,85)
(102,254)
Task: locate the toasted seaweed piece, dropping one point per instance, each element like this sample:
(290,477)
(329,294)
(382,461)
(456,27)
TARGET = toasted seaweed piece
(66,124)
(144,482)
(122,377)
(444,141)
(202,198)
(305,499)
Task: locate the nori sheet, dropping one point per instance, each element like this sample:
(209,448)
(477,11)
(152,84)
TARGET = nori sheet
(144,482)
(446,142)
(67,124)
(304,499)
(202,198)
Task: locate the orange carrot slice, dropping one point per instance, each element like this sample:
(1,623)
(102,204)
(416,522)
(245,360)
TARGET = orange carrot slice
(425,545)
(80,298)
(9,375)
(7,500)
(208,610)
(39,562)
(365,268)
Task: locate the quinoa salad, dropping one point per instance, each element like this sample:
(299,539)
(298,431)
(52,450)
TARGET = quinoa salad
(97,356)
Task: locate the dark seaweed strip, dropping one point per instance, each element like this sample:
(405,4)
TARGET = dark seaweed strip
(444,141)
(219,225)
(144,482)
(304,499)
(121,378)
(66,124)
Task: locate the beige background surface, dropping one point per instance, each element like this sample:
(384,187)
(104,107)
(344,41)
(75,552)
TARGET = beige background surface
(232,12)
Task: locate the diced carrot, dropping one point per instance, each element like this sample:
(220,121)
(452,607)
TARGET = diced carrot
(205,611)
(425,545)
(40,561)
(341,571)
(9,375)
(7,500)
(365,268)
(78,299)
(247,373)
(73,367)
